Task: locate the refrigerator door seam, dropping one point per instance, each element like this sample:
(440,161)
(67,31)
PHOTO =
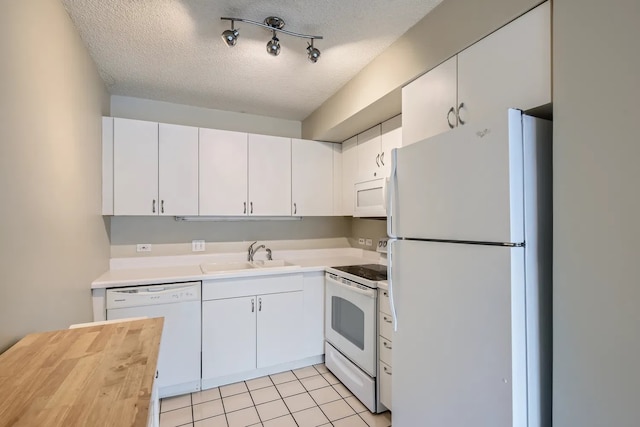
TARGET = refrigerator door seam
(467,242)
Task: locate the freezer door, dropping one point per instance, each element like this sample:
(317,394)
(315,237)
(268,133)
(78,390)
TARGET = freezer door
(466,184)
(459,353)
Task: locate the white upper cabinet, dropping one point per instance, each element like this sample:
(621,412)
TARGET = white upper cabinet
(155,168)
(349,172)
(337,180)
(312,178)
(269,175)
(223,173)
(178,170)
(369,154)
(390,138)
(135,167)
(428,103)
(510,68)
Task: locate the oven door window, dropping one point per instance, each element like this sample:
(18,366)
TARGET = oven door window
(347,319)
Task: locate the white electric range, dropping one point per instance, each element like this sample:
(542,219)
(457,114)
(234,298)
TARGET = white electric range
(351,328)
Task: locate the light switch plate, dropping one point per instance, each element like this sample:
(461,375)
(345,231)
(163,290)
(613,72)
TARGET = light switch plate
(143,247)
(369,242)
(197,245)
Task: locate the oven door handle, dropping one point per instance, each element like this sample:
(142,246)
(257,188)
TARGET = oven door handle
(368,293)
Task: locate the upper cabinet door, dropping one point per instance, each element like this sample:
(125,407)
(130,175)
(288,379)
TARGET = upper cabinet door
(349,172)
(390,138)
(269,175)
(135,167)
(510,68)
(369,154)
(178,170)
(223,173)
(429,103)
(312,178)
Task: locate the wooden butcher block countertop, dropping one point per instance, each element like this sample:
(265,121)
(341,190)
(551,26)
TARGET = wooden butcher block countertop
(92,376)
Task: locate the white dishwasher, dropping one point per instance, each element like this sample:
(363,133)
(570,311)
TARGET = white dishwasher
(180,305)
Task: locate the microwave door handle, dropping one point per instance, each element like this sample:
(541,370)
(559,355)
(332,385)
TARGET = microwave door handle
(391,196)
(392,304)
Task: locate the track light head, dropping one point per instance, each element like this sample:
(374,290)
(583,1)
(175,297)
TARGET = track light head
(313,53)
(230,37)
(273,45)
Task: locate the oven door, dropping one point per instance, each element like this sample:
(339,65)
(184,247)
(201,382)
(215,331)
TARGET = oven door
(350,321)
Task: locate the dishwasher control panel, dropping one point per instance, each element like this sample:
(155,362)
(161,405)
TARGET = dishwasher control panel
(137,296)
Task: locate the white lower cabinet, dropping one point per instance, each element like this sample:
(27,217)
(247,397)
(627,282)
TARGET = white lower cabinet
(385,329)
(250,324)
(228,336)
(314,313)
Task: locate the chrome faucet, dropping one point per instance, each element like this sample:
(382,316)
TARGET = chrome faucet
(251,251)
(269,257)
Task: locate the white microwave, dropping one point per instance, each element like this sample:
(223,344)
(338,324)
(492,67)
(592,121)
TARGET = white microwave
(371,198)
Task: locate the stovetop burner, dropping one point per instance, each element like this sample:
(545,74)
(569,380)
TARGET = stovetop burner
(373,272)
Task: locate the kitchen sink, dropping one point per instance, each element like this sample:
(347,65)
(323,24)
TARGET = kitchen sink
(273,263)
(216,267)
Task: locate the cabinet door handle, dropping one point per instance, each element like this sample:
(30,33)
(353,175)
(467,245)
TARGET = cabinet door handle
(382,158)
(378,160)
(153,206)
(245,208)
(385,293)
(251,206)
(460,107)
(451,110)
(295,209)
(253,305)
(386,370)
(386,319)
(161,206)
(259,304)
(386,345)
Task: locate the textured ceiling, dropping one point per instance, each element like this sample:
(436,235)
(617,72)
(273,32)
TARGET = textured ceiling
(171,50)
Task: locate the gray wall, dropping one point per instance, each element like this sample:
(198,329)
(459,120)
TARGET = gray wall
(596,213)
(374,95)
(168,112)
(53,241)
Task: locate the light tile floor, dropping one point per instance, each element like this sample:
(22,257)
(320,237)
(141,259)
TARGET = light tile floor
(306,397)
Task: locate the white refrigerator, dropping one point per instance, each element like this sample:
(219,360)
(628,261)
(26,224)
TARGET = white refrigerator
(470,276)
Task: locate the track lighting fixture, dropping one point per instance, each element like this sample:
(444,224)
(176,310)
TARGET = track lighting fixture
(274,24)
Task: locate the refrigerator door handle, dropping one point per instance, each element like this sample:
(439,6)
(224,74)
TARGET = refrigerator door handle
(391,191)
(392,305)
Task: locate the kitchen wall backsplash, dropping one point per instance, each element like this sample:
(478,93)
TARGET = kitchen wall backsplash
(373,229)
(170,237)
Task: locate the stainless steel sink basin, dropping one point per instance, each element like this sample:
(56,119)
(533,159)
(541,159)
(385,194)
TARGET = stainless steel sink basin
(215,267)
(273,263)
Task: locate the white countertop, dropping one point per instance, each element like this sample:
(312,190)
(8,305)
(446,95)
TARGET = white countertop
(151,270)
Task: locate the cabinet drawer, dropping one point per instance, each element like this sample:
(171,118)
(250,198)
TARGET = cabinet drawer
(385,350)
(249,286)
(385,385)
(385,325)
(383,297)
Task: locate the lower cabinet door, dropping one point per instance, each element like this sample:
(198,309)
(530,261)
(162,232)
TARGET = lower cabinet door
(228,336)
(385,385)
(280,328)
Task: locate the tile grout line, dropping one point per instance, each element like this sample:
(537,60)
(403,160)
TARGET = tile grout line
(282,398)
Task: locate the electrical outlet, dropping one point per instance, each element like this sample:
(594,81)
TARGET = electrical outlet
(197,245)
(143,247)
(369,242)
(361,241)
